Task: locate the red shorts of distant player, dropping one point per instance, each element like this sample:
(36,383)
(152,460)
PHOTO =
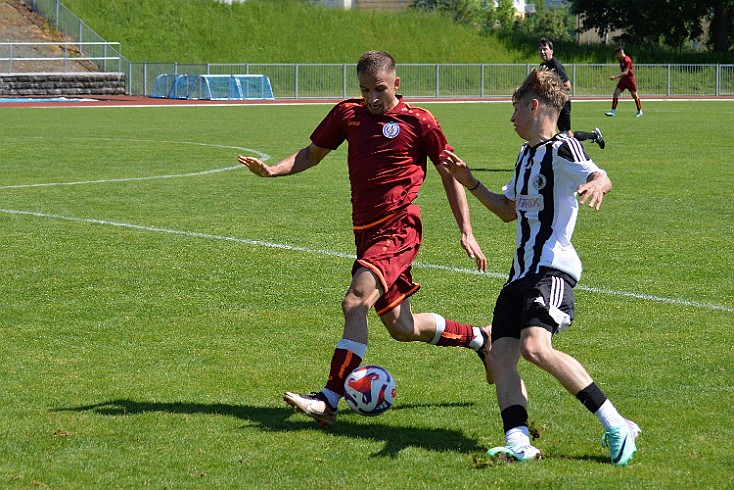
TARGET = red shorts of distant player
(627,83)
(388,248)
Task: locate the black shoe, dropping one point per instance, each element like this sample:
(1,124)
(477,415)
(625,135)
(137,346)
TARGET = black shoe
(483,352)
(598,138)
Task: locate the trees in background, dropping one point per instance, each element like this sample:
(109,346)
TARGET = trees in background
(500,16)
(669,23)
(672,23)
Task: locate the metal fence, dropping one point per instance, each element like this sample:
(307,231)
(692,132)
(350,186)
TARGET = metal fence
(308,81)
(65,21)
(59,56)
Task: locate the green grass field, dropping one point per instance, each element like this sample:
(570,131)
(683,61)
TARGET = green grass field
(156,302)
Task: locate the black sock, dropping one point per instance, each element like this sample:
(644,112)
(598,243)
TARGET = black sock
(584,135)
(514,416)
(592,397)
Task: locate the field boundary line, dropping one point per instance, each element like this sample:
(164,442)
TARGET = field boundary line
(263,157)
(280,246)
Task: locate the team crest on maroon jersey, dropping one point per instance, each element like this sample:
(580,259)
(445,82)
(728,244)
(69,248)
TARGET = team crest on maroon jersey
(390,130)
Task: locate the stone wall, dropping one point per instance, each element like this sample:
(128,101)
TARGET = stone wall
(61,84)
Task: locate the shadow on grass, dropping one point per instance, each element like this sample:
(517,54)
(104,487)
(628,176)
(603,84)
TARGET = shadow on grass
(494,170)
(279,420)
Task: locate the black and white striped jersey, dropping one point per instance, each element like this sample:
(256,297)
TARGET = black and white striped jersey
(544,190)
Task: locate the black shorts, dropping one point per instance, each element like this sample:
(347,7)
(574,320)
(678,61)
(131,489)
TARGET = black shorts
(564,118)
(539,300)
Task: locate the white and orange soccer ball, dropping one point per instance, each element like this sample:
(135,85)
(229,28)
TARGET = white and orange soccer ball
(369,390)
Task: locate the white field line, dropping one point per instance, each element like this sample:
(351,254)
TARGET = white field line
(263,157)
(280,246)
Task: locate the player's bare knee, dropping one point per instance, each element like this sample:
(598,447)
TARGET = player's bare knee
(534,354)
(354,305)
(499,361)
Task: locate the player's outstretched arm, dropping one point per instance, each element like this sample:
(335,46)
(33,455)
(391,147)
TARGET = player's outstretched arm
(594,189)
(298,162)
(460,208)
(497,203)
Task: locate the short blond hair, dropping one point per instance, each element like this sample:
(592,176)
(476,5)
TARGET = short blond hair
(544,85)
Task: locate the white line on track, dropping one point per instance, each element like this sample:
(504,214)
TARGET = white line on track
(280,246)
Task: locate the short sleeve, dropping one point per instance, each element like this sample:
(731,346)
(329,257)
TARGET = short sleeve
(574,162)
(329,133)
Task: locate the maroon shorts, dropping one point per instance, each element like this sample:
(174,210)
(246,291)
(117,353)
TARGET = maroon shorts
(627,83)
(388,248)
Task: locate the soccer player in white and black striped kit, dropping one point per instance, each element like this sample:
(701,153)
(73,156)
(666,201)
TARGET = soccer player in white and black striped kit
(537,300)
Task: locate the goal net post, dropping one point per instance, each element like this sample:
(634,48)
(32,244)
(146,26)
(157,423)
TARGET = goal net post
(212,87)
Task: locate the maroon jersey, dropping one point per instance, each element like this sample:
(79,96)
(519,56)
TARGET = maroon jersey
(387,154)
(626,64)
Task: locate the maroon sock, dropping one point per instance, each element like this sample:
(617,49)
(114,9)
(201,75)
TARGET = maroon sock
(342,363)
(456,334)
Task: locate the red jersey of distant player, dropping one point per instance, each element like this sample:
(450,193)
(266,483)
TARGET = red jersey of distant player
(628,81)
(387,154)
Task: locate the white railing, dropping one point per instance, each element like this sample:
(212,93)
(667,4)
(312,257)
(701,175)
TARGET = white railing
(100,53)
(304,81)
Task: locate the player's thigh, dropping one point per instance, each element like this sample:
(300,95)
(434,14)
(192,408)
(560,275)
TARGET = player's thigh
(403,325)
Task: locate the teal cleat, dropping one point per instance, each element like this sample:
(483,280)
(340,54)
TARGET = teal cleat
(620,440)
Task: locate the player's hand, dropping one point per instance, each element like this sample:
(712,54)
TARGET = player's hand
(256,166)
(474,251)
(592,192)
(458,168)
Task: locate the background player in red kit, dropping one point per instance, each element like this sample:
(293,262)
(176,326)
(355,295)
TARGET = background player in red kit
(627,81)
(389,142)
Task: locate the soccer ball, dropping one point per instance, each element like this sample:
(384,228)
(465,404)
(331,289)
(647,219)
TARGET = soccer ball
(369,390)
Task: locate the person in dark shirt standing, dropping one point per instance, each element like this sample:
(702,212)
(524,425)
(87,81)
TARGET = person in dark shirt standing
(545,48)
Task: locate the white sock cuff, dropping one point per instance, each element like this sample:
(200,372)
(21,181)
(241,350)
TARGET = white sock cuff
(358,348)
(608,415)
(518,436)
(440,327)
(478,340)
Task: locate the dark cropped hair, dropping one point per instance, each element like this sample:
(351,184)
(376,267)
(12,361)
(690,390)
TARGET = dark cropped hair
(375,62)
(545,42)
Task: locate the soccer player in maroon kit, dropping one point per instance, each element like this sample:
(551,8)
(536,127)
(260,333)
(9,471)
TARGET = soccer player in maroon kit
(389,142)
(627,81)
